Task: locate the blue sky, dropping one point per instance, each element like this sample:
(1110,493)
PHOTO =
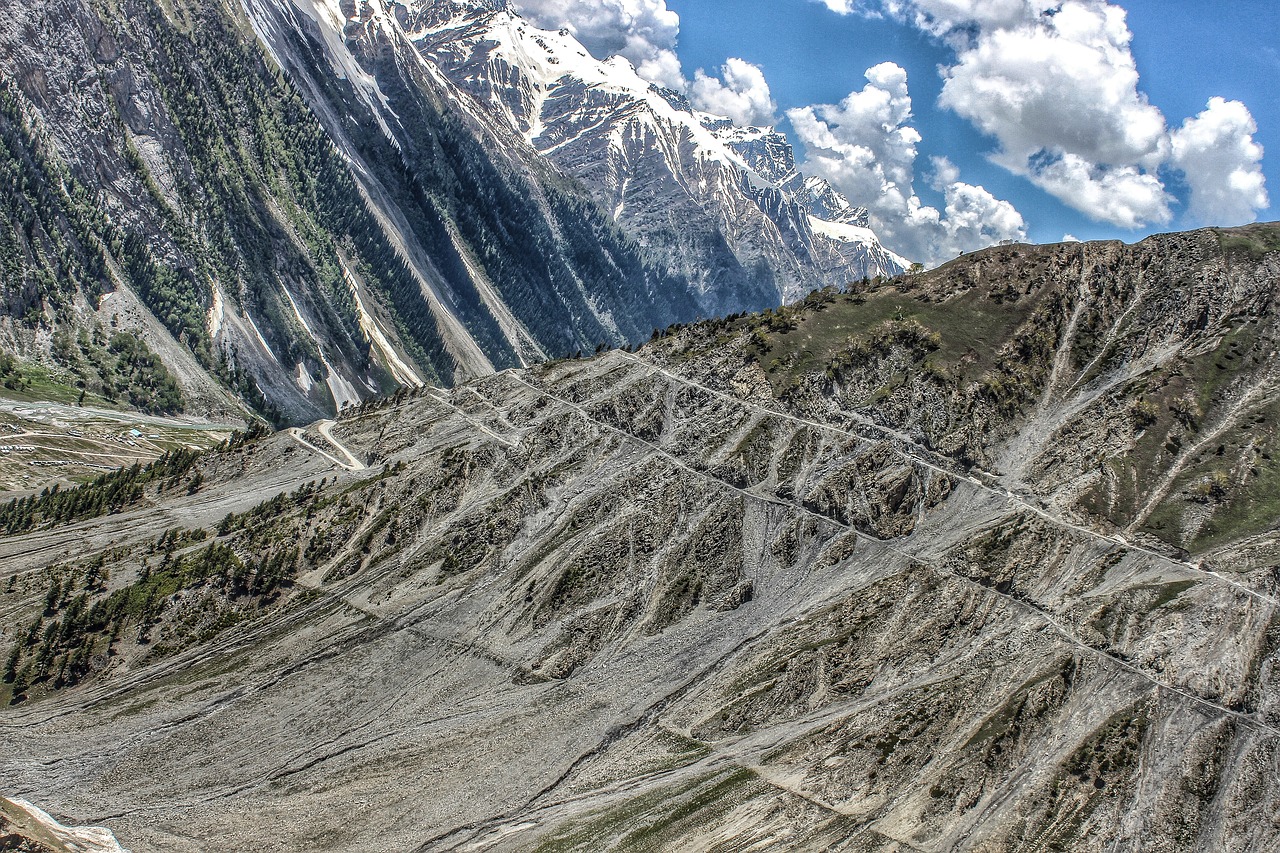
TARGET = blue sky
(1187,51)
(1058,118)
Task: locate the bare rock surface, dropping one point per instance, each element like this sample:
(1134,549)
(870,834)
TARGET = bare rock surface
(927,567)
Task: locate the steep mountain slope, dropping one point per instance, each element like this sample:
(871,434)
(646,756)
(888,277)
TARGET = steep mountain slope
(203,203)
(981,559)
(723,205)
(298,243)
(467,204)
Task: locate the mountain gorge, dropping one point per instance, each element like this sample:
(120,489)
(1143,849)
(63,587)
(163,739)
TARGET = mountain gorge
(291,207)
(983,558)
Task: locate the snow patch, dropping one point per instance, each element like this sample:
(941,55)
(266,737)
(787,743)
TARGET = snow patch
(344,393)
(82,839)
(548,59)
(845,233)
(216,314)
(303,379)
(543,67)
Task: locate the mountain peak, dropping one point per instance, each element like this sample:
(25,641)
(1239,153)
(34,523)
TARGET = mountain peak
(651,159)
(826,202)
(677,100)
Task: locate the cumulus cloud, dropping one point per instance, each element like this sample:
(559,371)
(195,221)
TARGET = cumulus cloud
(1059,93)
(958,19)
(945,173)
(973,219)
(1069,83)
(865,146)
(1222,163)
(743,94)
(643,31)
(1055,84)
(1121,195)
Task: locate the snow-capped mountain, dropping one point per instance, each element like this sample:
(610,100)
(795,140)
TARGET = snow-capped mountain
(722,204)
(295,205)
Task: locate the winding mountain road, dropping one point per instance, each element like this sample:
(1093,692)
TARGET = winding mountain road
(325,428)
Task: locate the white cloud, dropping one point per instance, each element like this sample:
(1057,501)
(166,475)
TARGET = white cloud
(1072,87)
(1055,84)
(864,144)
(1121,195)
(643,31)
(842,7)
(743,96)
(1222,163)
(945,173)
(1070,238)
(956,19)
(1059,93)
(866,148)
(974,219)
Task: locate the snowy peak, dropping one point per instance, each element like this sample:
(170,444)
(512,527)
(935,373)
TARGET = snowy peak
(473,33)
(723,205)
(491,52)
(677,100)
(764,150)
(826,202)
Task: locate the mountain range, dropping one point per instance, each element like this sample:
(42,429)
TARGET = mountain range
(420,434)
(289,207)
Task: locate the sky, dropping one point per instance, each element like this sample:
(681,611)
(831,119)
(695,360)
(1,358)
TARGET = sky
(960,123)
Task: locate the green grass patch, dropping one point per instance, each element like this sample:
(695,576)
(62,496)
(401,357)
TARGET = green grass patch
(1246,505)
(971,329)
(1248,510)
(1167,593)
(25,382)
(1252,241)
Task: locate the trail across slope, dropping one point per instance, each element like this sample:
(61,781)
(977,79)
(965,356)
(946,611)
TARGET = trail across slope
(352,463)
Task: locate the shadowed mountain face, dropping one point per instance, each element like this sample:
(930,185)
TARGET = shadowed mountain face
(294,240)
(981,559)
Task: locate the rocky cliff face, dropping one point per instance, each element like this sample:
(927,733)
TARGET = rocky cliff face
(981,559)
